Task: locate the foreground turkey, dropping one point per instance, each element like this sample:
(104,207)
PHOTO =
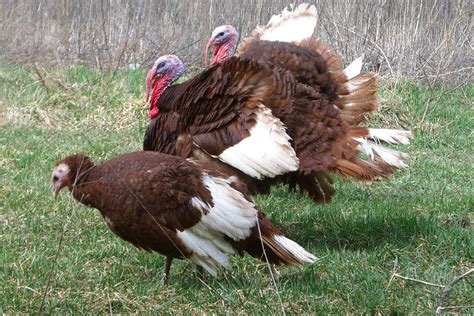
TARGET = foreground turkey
(170,205)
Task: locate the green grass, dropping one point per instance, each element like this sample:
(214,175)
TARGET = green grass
(418,223)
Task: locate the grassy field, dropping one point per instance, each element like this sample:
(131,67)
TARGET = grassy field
(417,224)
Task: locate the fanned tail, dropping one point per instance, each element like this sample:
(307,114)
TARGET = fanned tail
(360,98)
(290,26)
(355,96)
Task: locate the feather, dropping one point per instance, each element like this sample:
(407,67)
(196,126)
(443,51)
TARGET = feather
(389,156)
(354,68)
(391,136)
(266,152)
(290,25)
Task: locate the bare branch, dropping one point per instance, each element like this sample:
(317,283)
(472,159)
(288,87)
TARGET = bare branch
(417,281)
(445,293)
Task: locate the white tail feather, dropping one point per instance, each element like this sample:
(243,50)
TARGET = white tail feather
(390,156)
(354,68)
(296,250)
(290,25)
(391,136)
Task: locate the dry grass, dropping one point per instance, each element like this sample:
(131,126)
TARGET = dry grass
(427,39)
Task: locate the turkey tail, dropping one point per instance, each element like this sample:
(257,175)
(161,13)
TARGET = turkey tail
(290,26)
(277,249)
(354,68)
(360,98)
(360,169)
(288,251)
(369,143)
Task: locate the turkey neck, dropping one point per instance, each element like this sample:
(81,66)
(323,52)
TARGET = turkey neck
(87,184)
(225,51)
(158,90)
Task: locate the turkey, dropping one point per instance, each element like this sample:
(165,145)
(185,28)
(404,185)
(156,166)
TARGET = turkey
(249,119)
(287,42)
(173,206)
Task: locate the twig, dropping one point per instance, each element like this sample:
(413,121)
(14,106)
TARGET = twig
(42,79)
(416,280)
(394,271)
(53,267)
(40,309)
(429,98)
(445,293)
(187,46)
(456,307)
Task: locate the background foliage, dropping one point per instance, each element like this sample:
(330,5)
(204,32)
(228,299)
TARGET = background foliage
(429,39)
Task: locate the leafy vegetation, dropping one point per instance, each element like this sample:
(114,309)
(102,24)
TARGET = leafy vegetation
(417,224)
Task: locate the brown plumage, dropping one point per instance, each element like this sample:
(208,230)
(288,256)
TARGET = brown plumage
(346,96)
(172,206)
(316,65)
(212,116)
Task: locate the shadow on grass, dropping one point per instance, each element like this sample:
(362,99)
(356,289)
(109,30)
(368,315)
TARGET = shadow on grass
(367,225)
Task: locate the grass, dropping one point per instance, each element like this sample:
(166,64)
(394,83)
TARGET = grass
(418,223)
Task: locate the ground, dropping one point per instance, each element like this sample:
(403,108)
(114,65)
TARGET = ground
(417,224)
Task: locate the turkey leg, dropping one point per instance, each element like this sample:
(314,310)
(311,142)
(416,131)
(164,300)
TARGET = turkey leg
(166,273)
(200,272)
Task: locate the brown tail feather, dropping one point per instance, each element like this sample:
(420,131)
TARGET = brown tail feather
(358,131)
(362,170)
(361,98)
(278,249)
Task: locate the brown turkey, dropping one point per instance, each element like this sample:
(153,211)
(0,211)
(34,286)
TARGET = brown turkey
(249,119)
(287,42)
(172,206)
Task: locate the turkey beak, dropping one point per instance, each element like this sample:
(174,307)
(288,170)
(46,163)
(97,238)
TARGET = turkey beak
(210,43)
(55,190)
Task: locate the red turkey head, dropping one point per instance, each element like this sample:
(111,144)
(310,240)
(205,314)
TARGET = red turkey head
(165,71)
(224,39)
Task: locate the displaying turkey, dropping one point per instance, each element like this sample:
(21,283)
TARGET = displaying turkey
(172,206)
(286,42)
(248,119)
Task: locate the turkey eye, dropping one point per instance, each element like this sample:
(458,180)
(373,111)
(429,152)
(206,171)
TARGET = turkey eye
(160,65)
(220,34)
(55,178)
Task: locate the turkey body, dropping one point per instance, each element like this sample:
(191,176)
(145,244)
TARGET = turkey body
(283,111)
(172,206)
